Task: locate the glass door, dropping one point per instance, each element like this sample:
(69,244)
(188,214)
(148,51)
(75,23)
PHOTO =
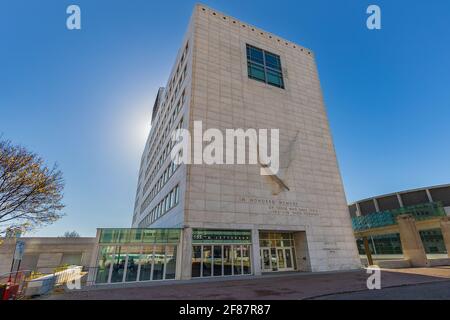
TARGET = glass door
(237,260)
(289,260)
(265,257)
(285,262)
(281,259)
(273,259)
(276,259)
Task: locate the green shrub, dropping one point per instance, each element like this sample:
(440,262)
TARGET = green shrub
(35,274)
(61,268)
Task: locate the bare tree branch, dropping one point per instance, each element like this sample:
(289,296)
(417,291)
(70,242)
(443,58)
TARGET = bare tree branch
(30,192)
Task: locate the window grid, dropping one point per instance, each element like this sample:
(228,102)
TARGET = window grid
(253,64)
(236,263)
(116,264)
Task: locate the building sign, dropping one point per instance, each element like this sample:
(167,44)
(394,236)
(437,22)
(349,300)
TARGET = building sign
(280,206)
(221,236)
(20,249)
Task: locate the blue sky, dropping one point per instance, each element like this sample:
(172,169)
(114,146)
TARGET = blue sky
(83,98)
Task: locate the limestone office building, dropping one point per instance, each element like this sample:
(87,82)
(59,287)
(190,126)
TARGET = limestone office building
(198,220)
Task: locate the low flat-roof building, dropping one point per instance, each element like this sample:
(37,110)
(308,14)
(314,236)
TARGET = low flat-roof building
(427,212)
(44,254)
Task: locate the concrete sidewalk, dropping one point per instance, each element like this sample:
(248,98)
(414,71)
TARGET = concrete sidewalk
(286,287)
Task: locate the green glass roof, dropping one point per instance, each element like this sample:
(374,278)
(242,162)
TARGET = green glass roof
(133,236)
(385,218)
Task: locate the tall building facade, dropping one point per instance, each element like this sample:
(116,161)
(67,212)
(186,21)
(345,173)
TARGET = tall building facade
(233,220)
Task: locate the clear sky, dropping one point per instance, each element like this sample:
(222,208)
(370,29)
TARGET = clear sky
(83,98)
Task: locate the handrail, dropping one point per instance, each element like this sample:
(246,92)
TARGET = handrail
(8,273)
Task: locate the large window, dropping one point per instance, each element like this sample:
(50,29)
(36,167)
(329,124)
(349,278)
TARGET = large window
(196,261)
(136,263)
(264,66)
(105,259)
(220,260)
(132,264)
(221,252)
(118,267)
(146,264)
(206,261)
(171,262)
(159,262)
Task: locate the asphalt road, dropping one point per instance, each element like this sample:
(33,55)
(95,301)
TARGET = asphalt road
(428,291)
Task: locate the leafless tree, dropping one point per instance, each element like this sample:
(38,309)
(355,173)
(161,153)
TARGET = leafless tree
(30,192)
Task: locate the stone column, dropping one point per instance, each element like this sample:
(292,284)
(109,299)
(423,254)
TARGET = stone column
(185,257)
(92,272)
(256,260)
(445,229)
(368,252)
(301,251)
(411,242)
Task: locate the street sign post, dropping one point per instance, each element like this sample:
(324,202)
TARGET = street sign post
(12,285)
(19,250)
(18,255)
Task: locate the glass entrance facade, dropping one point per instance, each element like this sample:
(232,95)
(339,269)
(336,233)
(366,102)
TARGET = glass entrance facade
(131,255)
(218,253)
(127,255)
(277,251)
(432,240)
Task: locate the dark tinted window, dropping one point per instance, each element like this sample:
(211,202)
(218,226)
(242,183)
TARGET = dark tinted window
(414,198)
(352,210)
(275,78)
(441,194)
(388,203)
(273,61)
(255,55)
(264,66)
(256,72)
(367,207)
